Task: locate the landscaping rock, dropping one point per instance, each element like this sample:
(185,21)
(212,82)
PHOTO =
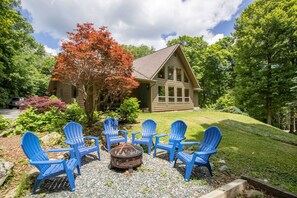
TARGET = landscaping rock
(254,193)
(222,161)
(51,139)
(223,168)
(5,170)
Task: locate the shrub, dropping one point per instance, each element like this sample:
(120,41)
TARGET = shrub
(75,113)
(45,103)
(233,109)
(4,123)
(129,110)
(32,120)
(225,101)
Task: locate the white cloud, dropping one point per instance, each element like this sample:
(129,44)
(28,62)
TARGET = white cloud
(133,21)
(51,50)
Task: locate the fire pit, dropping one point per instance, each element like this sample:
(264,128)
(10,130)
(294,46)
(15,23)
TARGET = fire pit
(126,156)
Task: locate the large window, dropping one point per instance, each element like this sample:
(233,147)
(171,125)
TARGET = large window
(187,95)
(161,93)
(161,73)
(179,93)
(171,94)
(73,91)
(178,74)
(170,72)
(185,78)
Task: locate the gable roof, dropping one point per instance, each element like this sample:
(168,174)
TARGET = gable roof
(147,67)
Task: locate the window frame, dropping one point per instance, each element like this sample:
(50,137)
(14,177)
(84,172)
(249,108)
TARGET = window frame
(163,96)
(179,97)
(180,74)
(169,96)
(187,98)
(168,67)
(164,73)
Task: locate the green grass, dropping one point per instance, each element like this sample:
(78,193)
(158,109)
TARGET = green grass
(248,146)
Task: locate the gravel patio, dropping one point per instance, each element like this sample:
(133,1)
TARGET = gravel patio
(154,178)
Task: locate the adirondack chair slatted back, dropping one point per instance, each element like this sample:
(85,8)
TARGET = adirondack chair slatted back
(148,128)
(31,147)
(111,127)
(211,140)
(178,130)
(74,133)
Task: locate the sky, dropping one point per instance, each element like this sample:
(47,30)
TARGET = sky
(135,22)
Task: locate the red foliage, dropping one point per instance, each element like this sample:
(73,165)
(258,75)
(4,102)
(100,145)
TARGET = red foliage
(44,103)
(91,59)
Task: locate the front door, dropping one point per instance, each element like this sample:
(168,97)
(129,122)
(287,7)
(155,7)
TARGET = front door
(143,95)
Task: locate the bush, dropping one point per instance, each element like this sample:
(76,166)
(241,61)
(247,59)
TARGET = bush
(4,123)
(32,120)
(225,101)
(45,103)
(129,110)
(75,113)
(233,109)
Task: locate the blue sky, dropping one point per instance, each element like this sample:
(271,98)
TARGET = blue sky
(150,22)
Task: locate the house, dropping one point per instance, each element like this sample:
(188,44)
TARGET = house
(167,82)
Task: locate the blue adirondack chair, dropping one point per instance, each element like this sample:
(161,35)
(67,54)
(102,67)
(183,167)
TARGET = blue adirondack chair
(75,138)
(148,131)
(210,142)
(48,168)
(111,132)
(177,134)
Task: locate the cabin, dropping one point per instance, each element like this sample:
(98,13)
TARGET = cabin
(166,82)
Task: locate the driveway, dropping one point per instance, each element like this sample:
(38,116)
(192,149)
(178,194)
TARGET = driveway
(10,113)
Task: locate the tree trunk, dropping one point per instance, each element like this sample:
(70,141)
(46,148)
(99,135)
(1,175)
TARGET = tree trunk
(292,119)
(268,96)
(89,106)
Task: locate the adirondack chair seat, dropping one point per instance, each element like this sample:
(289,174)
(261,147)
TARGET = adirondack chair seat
(59,168)
(187,158)
(86,150)
(165,146)
(147,134)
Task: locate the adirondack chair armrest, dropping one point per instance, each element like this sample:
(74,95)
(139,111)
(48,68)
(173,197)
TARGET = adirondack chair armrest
(153,134)
(91,137)
(63,150)
(48,162)
(124,132)
(182,144)
(70,143)
(134,134)
(159,136)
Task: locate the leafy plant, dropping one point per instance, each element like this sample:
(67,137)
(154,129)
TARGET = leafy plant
(45,103)
(129,110)
(233,109)
(4,123)
(75,113)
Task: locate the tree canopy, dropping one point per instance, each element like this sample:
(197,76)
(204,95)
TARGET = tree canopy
(138,51)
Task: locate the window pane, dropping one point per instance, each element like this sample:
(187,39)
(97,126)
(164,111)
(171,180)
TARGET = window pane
(161,91)
(161,73)
(185,78)
(178,75)
(171,99)
(179,92)
(171,91)
(186,92)
(179,99)
(170,72)
(161,99)
(187,99)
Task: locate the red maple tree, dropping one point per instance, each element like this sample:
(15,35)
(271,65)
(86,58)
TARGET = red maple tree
(96,64)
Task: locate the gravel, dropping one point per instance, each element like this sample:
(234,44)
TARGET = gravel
(154,178)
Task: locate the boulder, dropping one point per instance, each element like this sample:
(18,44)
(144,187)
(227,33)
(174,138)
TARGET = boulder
(223,168)
(5,170)
(51,139)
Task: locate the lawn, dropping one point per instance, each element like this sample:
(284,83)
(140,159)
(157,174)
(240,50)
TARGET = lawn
(248,146)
